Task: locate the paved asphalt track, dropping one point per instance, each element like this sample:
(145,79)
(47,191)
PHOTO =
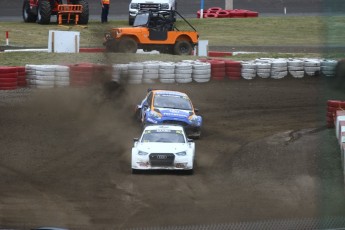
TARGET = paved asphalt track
(10,10)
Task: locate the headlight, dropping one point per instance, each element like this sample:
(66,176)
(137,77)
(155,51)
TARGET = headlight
(193,118)
(141,153)
(181,153)
(134,6)
(165,6)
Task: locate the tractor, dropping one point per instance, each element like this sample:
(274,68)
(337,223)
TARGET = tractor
(154,30)
(41,10)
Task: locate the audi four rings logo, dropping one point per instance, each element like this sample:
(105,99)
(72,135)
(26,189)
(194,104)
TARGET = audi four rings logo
(162,157)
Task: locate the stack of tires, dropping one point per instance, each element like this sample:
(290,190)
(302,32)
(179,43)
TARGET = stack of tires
(233,69)
(296,68)
(167,72)
(8,78)
(21,76)
(201,72)
(263,68)
(135,73)
(248,70)
(151,72)
(217,69)
(279,68)
(312,67)
(45,76)
(30,72)
(81,75)
(62,76)
(119,73)
(183,72)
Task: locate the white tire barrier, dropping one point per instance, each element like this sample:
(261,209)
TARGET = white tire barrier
(279,68)
(167,72)
(151,72)
(183,72)
(248,70)
(135,72)
(62,76)
(201,72)
(312,67)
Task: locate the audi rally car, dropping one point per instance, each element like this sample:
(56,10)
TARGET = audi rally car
(163,147)
(169,107)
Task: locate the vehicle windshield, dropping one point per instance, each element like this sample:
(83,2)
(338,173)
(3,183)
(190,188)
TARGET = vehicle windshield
(164,135)
(172,101)
(141,19)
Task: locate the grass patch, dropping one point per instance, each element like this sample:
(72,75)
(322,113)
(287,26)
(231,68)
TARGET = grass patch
(261,31)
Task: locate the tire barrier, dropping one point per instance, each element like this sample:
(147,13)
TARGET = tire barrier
(8,78)
(218,12)
(135,72)
(81,75)
(312,67)
(279,68)
(263,68)
(62,76)
(201,72)
(21,78)
(332,107)
(233,69)
(217,69)
(152,72)
(183,72)
(248,70)
(296,68)
(167,72)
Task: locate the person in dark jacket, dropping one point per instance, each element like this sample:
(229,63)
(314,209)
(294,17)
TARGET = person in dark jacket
(105,10)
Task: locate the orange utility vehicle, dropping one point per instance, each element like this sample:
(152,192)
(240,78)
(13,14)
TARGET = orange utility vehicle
(154,30)
(69,10)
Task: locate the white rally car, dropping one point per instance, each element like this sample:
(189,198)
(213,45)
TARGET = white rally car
(163,147)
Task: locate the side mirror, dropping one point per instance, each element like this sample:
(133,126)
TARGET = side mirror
(190,140)
(196,110)
(135,139)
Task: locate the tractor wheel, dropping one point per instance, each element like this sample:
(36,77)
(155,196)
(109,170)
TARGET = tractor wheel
(128,45)
(28,16)
(44,12)
(84,16)
(183,48)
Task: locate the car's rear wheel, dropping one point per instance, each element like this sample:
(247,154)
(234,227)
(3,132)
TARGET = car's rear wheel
(128,45)
(183,48)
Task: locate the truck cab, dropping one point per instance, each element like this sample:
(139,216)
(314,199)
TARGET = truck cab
(139,5)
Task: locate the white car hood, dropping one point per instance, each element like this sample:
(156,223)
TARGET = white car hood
(162,147)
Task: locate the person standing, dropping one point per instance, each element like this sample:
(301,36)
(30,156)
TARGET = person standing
(105,10)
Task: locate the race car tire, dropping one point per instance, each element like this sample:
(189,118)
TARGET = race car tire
(128,45)
(183,48)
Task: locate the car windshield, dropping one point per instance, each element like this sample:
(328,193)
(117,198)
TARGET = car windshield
(165,136)
(141,19)
(172,101)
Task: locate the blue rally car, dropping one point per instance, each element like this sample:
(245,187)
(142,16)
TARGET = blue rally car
(169,107)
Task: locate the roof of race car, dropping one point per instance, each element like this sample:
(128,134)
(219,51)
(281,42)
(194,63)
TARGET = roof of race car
(165,92)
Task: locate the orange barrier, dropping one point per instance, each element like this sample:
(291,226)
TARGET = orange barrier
(69,10)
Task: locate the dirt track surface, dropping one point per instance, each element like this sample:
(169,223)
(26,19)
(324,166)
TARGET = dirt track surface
(265,154)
